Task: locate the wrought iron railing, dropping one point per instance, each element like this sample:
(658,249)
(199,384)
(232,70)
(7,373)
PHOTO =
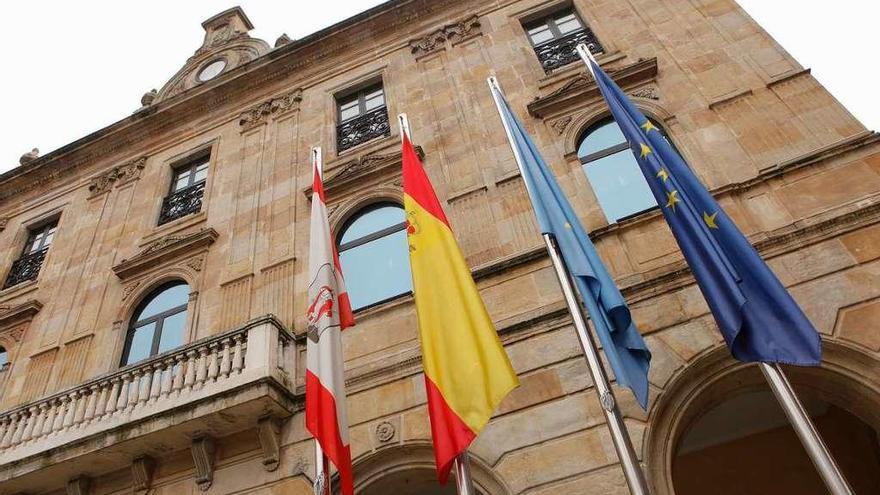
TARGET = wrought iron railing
(561,51)
(25,268)
(181,203)
(361,129)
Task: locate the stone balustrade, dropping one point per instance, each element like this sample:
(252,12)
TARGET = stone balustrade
(257,353)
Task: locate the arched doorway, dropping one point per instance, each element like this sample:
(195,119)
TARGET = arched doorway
(718,429)
(409,470)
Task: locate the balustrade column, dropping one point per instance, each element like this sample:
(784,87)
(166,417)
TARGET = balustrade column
(122,403)
(10,430)
(60,412)
(145,385)
(80,410)
(113,396)
(135,387)
(190,378)
(19,427)
(213,365)
(202,367)
(92,404)
(71,409)
(238,354)
(50,418)
(30,425)
(225,359)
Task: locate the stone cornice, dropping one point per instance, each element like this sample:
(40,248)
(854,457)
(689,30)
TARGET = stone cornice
(583,87)
(10,315)
(163,249)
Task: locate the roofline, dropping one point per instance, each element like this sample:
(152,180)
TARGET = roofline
(145,112)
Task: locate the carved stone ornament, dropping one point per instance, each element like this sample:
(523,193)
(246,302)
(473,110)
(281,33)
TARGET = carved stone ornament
(282,40)
(372,165)
(166,248)
(119,175)
(279,104)
(270,432)
(148,97)
(12,315)
(129,289)
(29,157)
(142,470)
(78,486)
(454,33)
(196,262)
(203,450)
(3,222)
(385,432)
(561,124)
(649,93)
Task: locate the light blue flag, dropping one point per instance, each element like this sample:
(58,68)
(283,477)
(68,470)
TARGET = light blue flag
(622,343)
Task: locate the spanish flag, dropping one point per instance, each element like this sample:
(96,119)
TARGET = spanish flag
(467,372)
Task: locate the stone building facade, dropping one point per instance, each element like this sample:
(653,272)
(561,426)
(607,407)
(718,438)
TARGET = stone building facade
(202,195)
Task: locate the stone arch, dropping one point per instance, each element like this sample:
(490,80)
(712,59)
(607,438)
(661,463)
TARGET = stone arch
(595,113)
(345,210)
(376,472)
(848,378)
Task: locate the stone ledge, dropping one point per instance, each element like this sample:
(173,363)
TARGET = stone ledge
(168,247)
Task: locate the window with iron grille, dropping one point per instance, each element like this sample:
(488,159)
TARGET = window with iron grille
(362,116)
(555,37)
(187,189)
(28,265)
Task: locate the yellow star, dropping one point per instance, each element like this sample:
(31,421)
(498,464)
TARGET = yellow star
(671,199)
(710,219)
(663,174)
(648,127)
(645,150)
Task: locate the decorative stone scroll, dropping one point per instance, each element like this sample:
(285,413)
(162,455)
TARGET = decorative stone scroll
(454,33)
(203,449)
(118,175)
(257,114)
(142,470)
(269,432)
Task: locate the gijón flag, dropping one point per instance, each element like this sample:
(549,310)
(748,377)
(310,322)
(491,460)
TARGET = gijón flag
(467,372)
(328,313)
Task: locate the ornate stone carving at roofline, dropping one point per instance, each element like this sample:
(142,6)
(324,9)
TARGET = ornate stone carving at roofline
(454,33)
(257,114)
(167,248)
(118,175)
(583,87)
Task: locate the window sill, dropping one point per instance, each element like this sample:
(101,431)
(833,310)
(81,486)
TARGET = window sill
(173,227)
(384,305)
(18,290)
(376,142)
(561,73)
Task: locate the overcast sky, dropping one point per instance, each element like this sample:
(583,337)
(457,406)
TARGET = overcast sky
(74,67)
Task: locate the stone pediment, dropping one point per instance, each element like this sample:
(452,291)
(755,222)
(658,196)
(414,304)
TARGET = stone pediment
(364,170)
(167,248)
(227,45)
(582,87)
(10,315)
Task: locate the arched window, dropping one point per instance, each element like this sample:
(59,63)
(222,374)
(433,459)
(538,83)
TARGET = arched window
(374,255)
(613,171)
(4,358)
(158,324)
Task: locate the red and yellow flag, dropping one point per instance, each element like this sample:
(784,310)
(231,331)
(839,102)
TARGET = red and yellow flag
(467,372)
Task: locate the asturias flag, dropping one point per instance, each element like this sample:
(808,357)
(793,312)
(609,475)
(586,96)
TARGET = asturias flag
(622,343)
(758,318)
(328,313)
(467,372)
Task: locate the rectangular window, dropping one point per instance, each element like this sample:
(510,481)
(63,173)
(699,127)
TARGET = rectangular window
(187,189)
(555,37)
(28,265)
(362,116)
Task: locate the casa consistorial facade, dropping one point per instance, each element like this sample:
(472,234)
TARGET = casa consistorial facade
(152,316)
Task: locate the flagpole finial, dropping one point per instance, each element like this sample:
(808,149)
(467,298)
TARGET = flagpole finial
(318,160)
(403,121)
(585,54)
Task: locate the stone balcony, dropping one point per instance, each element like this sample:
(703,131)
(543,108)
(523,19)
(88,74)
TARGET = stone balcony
(231,382)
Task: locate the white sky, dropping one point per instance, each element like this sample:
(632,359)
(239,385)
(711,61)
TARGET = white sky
(74,67)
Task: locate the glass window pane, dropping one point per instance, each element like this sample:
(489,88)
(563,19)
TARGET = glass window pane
(48,239)
(540,34)
(141,344)
(348,113)
(181,183)
(172,332)
(568,24)
(169,298)
(619,185)
(4,357)
(201,173)
(372,221)
(375,101)
(377,270)
(601,138)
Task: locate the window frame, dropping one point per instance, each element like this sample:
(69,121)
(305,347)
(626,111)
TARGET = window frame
(158,318)
(190,165)
(37,231)
(360,95)
(360,241)
(549,20)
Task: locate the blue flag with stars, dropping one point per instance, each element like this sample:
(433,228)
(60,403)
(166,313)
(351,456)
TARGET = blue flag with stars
(623,345)
(758,318)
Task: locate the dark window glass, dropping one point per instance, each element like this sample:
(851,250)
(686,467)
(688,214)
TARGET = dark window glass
(187,189)
(613,172)
(361,116)
(28,265)
(4,358)
(158,324)
(556,36)
(374,254)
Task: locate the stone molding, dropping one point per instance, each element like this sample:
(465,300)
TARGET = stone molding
(454,33)
(259,113)
(582,88)
(118,176)
(353,172)
(168,247)
(12,315)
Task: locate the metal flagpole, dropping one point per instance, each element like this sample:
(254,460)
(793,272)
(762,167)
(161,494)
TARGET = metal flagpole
(322,463)
(635,478)
(785,394)
(463,481)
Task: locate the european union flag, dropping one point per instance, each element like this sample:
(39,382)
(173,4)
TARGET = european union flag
(758,318)
(622,343)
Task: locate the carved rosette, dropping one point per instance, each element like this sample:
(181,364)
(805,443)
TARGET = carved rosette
(257,114)
(453,33)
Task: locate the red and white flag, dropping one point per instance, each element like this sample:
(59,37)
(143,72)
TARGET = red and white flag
(329,312)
